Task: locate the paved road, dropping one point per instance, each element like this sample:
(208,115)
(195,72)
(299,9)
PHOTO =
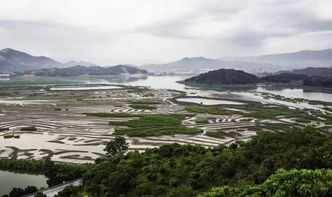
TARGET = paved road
(50,192)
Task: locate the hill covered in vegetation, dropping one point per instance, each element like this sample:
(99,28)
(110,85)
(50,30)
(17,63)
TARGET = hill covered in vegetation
(235,77)
(224,76)
(312,71)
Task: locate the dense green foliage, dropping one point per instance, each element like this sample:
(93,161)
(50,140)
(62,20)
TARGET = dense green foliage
(59,173)
(155,125)
(40,194)
(292,183)
(70,191)
(283,78)
(186,170)
(18,192)
(22,165)
(116,146)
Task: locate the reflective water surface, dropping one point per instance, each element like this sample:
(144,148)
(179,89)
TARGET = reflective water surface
(9,180)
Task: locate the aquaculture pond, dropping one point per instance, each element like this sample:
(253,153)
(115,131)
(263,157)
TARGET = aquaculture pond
(9,180)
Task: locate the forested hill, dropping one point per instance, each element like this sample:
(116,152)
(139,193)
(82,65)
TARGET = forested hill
(230,76)
(224,76)
(85,70)
(311,71)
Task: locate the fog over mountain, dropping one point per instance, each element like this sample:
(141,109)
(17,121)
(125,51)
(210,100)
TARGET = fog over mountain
(12,61)
(300,59)
(311,71)
(255,64)
(202,64)
(82,63)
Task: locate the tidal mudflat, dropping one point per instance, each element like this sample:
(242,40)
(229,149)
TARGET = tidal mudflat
(70,124)
(205,101)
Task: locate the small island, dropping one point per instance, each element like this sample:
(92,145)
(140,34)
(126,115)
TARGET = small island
(224,77)
(238,77)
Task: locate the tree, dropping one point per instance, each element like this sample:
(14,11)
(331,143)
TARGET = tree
(291,183)
(69,191)
(30,189)
(17,192)
(116,146)
(40,194)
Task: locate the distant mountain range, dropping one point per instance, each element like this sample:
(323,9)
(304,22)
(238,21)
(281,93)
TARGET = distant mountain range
(311,71)
(91,70)
(300,59)
(12,61)
(256,64)
(201,64)
(15,61)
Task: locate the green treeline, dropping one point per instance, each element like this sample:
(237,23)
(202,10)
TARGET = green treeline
(186,170)
(284,183)
(292,163)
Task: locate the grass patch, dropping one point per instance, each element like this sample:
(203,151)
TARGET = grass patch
(155,125)
(272,112)
(31,128)
(324,103)
(210,110)
(142,106)
(277,126)
(302,120)
(222,134)
(136,89)
(144,102)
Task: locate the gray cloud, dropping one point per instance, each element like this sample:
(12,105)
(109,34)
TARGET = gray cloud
(135,31)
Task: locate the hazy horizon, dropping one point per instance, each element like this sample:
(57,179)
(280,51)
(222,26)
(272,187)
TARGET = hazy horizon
(154,31)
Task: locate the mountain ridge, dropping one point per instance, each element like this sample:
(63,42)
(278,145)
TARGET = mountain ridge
(293,60)
(198,65)
(12,61)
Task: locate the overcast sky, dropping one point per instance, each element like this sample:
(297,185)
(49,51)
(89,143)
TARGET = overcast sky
(146,31)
